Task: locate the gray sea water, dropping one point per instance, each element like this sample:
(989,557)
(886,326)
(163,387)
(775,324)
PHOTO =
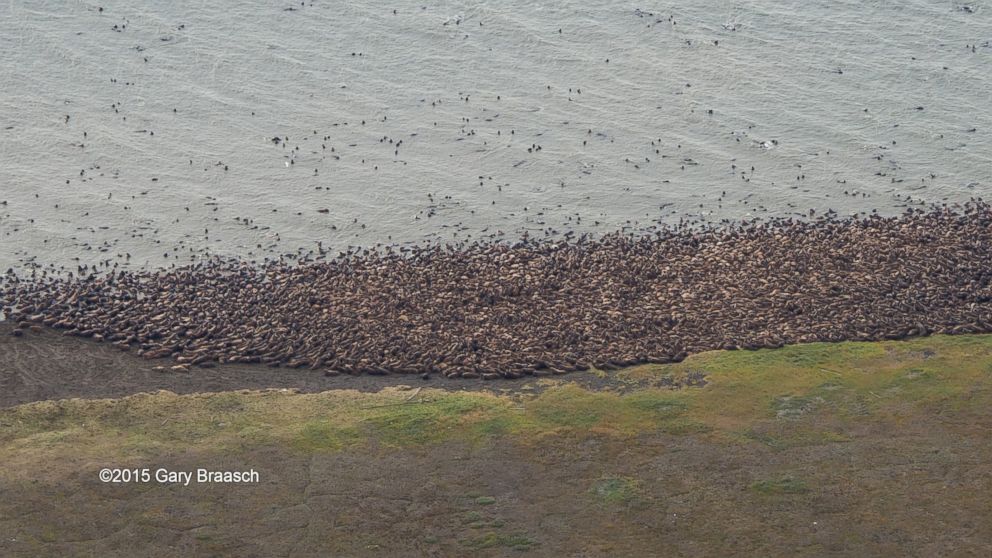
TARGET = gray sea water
(143,134)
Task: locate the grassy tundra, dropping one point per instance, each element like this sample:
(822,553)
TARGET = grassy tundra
(846,449)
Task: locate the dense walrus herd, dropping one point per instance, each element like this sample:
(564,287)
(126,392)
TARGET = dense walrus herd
(497,310)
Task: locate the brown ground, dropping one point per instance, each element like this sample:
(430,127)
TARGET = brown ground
(48,365)
(857,450)
(919,490)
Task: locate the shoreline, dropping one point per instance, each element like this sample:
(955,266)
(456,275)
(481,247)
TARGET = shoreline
(535,237)
(540,308)
(46,366)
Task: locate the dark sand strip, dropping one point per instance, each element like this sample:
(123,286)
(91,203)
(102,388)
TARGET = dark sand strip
(49,366)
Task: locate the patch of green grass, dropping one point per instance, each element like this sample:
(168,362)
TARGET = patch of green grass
(683,426)
(809,355)
(659,404)
(569,407)
(54,438)
(794,406)
(853,379)
(418,423)
(616,490)
(781,437)
(493,426)
(226,403)
(485,500)
(784,485)
(49,534)
(322,435)
(45,416)
(822,388)
(497,540)
(254,433)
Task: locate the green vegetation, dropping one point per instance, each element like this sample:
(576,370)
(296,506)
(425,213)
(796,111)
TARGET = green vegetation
(795,396)
(785,485)
(616,490)
(318,435)
(494,540)
(725,452)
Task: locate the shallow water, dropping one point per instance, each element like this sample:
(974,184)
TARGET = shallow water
(179,104)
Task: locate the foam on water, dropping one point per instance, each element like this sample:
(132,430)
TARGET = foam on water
(788,84)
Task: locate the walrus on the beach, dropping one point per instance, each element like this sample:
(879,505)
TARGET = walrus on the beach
(491,309)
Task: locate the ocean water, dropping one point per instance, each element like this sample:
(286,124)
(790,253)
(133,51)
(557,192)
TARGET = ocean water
(144,134)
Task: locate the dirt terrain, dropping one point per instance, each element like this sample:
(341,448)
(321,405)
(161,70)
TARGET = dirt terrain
(850,449)
(48,365)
